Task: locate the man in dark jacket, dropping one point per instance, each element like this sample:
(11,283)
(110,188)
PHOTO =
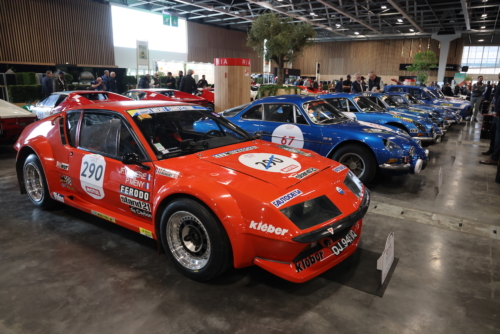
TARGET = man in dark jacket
(181,74)
(487,91)
(188,85)
(494,149)
(61,85)
(338,86)
(47,84)
(375,83)
(477,97)
(346,85)
(202,83)
(170,81)
(144,82)
(357,84)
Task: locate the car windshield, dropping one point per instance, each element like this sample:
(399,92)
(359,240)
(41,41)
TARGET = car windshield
(391,101)
(431,93)
(322,112)
(439,93)
(234,111)
(400,99)
(366,105)
(174,131)
(168,93)
(412,99)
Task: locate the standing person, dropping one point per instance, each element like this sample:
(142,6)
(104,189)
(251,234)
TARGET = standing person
(375,83)
(476,97)
(156,80)
(47,84)
(338,86)
(346,85)
(456,90)
(187,84)
(307,83)
(447,90)
(61,85)
(144,82)
(494,132)
(111,85)
(315,84)
(364,85)
(487,91)
(202,83)
(181,74)
(170,82)
(97,84)
(357,84)
(105,79)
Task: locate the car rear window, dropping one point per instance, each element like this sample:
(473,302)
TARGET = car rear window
(95,96)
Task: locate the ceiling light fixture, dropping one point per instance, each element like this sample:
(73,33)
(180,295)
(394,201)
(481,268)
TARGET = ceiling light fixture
(412,30)
(481,40)
(337,25)
(483,27)
(484,15)
(384,7)
(399,20)
(356,33)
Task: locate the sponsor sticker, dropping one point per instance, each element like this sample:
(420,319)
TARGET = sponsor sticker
(58,197)
(309,261)
(103,216)
(137,112)
(92,171)
(270,162)
(305,173)
(376,126)
(268,228)
(167,172)
(137,193)
(62,165)
(136,178)
(66,182)
(343,243)
(339,168)
(286,198)
(141,213)
(340,191)
(225,154)
(288,134)
(135,203)
(145,232)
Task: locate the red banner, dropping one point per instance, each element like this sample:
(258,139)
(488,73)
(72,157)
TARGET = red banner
(232,62)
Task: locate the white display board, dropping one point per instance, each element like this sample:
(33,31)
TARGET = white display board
(171,66)
(384,263)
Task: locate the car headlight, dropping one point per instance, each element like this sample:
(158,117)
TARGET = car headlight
(354,184)
(420,126)
(393,147)
(311,212)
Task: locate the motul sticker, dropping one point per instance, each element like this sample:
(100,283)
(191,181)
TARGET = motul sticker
(268,162)
(92,173)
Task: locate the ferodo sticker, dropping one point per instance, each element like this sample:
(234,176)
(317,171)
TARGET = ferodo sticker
(270,162)
(135,203)
(137,193)
(103,216)
(92,173)
(145,232)
(288,134)
(286,198)
(309,261)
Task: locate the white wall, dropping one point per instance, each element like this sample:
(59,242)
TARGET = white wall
(127,57)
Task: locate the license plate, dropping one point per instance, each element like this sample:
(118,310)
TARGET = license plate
(343,243)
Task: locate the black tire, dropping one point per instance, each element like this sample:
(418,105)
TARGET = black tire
(40,198)
(220,255)
(364,154)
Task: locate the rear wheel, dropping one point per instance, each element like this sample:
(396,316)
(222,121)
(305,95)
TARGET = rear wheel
(195,240)
(36,183)
(358,159)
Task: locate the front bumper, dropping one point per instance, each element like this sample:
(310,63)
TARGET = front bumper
(402,167)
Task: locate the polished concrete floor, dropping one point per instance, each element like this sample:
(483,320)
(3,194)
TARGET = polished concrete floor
(64,271)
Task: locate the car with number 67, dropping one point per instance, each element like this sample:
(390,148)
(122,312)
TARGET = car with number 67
(212,200)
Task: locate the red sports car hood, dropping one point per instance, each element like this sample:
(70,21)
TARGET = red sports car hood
(279,165)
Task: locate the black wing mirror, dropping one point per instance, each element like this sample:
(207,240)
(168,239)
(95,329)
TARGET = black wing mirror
(134,159)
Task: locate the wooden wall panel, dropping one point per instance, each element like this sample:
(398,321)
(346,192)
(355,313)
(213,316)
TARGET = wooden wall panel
(207,42)
(56,32)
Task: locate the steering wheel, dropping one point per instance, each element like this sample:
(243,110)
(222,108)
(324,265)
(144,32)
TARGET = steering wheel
(216,133)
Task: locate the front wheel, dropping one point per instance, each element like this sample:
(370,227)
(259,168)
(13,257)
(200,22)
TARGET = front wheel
(195,240)
(36,183)
(358,159)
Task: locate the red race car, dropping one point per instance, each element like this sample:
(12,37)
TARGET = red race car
(60,101)
(211,199)
(13,120)
(311,90)
(164,94)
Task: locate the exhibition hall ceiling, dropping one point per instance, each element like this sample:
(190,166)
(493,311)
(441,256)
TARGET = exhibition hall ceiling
(346,19)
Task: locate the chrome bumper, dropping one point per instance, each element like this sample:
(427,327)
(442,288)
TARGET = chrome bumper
(399,167)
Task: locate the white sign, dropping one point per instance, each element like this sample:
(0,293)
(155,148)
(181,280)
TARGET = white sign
(269,162)
(92,173)
(142,53)
(288,134)
(384,263)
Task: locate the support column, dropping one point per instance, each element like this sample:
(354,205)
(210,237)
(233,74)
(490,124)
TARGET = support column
(232,82)
(443,52)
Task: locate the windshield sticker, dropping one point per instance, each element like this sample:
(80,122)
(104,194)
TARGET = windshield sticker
(339,168)
(92,173)
(137,112)
(286,198)
(305,173)
(225,154)
(288,134)
(295,150)
(167,172)
(270,162)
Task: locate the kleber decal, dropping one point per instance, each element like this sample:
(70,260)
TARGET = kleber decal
(263,162)
(135,203)
(339,168)
(268,228)
(141,213)
(288,134)
(305,173)
(145,232)
(103,216)
(309,261)
(92,172)
(286,198)
(295,150)
(225,154)
(62,165)
(167,172)
(137,193)
(343,243)
(58,197)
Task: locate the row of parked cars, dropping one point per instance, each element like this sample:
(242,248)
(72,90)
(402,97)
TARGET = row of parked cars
(276,183)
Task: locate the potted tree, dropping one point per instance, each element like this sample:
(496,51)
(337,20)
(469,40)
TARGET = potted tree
(422,63)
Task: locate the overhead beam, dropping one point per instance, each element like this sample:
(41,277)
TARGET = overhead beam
(466,14)
(346,14)
(406,16)
(212,8)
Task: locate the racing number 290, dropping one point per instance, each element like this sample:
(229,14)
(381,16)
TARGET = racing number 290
(265,162)
(94,172)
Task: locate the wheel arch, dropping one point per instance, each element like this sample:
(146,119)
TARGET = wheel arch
(22,155)
(351,142)
(399,126)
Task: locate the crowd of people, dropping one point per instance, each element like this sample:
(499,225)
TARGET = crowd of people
(184,83)
(359,85)
(486,92)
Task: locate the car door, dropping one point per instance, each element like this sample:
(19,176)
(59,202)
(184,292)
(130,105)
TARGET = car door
(97,172)
(250,120)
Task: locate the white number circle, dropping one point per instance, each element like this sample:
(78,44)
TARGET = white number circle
(269,162)
(288,134)
(92,173)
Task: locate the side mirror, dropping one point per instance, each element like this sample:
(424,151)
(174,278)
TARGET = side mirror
(133,159)
(257,135)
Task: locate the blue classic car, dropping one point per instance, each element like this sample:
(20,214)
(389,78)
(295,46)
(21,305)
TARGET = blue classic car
(389,103)
(297,122)
(360,107)
(430,97)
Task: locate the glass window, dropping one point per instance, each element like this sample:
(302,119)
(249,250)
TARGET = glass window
(234,111)
(253,113)
(135,95)
(299,118)
(61,98)
(50,101)
(481,59)
(72,119)
(340,104)
(322,112)
(282,113)
(367,105)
